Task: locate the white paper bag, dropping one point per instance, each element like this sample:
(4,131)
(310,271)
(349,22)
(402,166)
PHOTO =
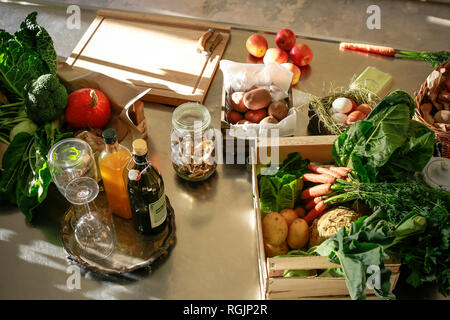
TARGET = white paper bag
(243,76)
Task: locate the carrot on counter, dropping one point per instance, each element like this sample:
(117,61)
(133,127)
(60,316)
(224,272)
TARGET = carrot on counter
(315,212)
(321,170)
(382,50)
(319,178)
(312,203)
(316,191)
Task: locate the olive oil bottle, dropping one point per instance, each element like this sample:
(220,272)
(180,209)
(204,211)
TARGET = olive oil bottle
(146,192)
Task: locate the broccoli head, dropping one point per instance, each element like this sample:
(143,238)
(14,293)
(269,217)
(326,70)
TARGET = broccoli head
(45,99)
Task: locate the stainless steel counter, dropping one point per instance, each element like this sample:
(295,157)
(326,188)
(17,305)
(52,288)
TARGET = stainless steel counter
(215,255)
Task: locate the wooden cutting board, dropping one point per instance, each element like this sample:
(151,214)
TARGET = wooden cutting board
(150,51)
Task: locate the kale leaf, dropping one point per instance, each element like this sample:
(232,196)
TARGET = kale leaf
(25,56)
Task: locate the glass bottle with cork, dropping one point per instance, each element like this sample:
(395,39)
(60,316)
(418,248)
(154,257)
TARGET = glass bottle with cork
(146,192)
(112,163)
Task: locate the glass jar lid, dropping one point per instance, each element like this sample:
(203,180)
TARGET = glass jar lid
(191,117)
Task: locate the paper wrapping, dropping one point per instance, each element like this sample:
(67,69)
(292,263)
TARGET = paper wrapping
(241,77)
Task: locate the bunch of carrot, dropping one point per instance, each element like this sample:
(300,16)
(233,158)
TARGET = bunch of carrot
(313,196)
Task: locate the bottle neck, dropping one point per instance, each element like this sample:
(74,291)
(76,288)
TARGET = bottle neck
(140,161)
(112,148)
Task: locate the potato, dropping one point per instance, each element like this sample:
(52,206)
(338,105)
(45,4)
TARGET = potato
(278,109)
(243,121)
(233,117)
(255,116)
(300,212)
(447,84)
(289,215)
(274,228)
(272,250)
(269,119)
(442,116)
(444,96)
(257,99)
(237,102)
(298,234)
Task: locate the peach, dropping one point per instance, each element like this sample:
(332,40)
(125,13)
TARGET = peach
(285,39)
(256,45)
(276,55)
(301,54)
(252,59)
(296,72)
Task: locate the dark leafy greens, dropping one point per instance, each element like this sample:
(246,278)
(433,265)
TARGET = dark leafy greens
(280,189)
(25,56)
(25,174)
(388,144)
(426,254)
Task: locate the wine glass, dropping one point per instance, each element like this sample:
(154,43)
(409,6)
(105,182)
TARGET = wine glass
(70,159)
(94,229)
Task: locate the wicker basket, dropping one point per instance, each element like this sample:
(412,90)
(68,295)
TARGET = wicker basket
(442,136)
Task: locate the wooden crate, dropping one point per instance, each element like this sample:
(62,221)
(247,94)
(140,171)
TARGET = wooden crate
(273,285)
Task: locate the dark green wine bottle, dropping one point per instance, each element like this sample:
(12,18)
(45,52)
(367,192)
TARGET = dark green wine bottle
(146,193)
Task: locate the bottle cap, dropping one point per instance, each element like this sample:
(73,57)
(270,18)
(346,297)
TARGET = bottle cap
(109,135)
(139,147)
(133,174)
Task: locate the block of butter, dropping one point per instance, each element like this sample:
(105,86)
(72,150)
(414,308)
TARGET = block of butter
(373,80)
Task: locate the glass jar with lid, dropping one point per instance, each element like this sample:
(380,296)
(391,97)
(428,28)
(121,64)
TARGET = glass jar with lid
(193,142)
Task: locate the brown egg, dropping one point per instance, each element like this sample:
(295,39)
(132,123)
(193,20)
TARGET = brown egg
(364,108)
(355,116)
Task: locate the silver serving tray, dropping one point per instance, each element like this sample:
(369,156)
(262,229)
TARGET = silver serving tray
(132,250)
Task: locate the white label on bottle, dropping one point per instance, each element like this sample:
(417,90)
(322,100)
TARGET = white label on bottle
(158,211)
